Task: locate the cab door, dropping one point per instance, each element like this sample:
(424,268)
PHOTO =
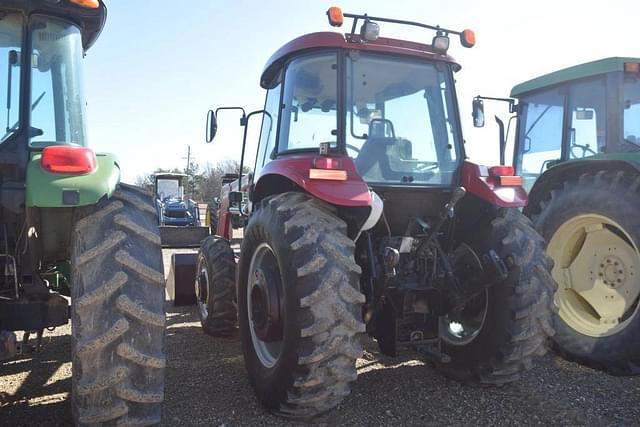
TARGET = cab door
(540,133)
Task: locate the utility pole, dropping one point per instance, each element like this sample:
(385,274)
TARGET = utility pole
(188,170)
(188,158)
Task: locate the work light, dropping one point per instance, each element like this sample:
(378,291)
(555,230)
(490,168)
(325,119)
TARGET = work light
(440,43)
(370,31)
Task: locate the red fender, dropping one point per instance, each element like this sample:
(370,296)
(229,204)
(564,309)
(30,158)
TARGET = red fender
(480,181)
(350,190)
(224,217)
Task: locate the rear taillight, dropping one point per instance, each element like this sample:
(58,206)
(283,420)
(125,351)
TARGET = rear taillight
(504,176)
(631,67)
(510,181)
(68,159)
(328,174)
(327,168)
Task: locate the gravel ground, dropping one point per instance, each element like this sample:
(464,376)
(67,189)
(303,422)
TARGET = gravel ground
(207,385)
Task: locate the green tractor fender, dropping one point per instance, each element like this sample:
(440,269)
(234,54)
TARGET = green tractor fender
(49,190)
(51,199)
(625,162)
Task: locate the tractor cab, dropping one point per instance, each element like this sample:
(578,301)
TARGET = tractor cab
(168,186)
(42,45)
(174,208)
(588,111)
(576,113)
(360,112)
(395,117)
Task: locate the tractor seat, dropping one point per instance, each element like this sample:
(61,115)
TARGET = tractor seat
(380,158)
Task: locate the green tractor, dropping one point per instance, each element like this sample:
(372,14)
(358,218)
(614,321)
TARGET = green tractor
(69,228)
(578,150)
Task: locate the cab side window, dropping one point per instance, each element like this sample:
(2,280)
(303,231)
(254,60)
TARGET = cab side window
(269,127)
(587,103)
(540,131)
(309,103)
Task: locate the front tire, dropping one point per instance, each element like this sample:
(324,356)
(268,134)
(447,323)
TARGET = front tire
(299,305)
(593,229)
(216,287)
(499,333)
(118,317)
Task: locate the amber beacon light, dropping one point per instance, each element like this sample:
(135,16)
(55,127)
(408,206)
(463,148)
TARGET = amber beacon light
(336,18)
(89,4)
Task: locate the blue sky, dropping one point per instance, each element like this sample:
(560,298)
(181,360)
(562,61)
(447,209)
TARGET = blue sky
(159,66)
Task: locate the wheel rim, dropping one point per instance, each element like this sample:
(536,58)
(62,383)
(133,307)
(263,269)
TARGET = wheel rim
(464,326)
(264,305)
(202,290)
(596,267)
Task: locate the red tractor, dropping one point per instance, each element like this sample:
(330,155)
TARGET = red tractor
(362,215)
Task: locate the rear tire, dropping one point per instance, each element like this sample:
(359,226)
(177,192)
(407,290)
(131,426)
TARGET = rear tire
(216,287)
(118,317)
(596,218)
(515,312)
(295,246)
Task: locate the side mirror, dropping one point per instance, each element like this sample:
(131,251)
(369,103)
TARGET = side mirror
(212,125)
(478,113)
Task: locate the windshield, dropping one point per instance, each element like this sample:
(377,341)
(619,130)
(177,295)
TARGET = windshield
(57,98)
(169,188)
(401,125)
(10,50)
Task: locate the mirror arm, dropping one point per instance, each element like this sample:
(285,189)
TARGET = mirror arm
(513,106)
(246,118)
(212,120)
(243,119)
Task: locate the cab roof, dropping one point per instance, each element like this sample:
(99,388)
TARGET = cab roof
(90,21)
(587,69)
(169,175)
(328,40)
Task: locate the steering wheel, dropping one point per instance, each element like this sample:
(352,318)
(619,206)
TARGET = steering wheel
(586,149)
(423,166)
(33,132)
(10,130)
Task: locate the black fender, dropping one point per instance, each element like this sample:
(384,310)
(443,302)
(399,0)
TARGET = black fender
(566,171)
